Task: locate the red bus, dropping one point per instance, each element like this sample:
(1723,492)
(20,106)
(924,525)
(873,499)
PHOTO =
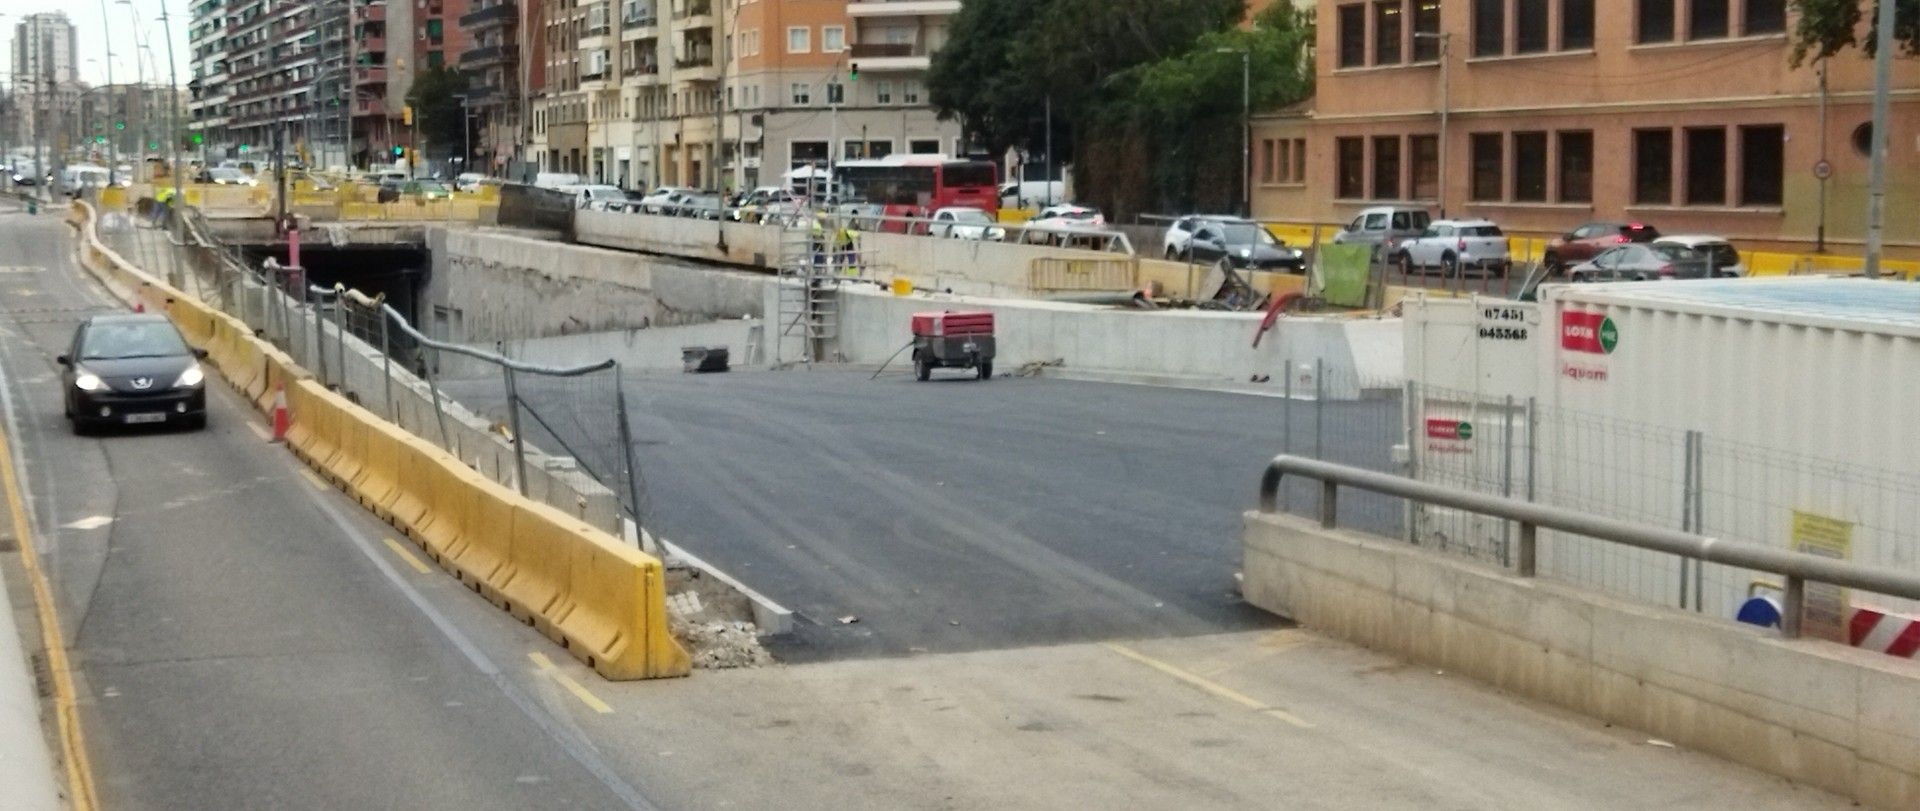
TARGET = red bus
(918,185)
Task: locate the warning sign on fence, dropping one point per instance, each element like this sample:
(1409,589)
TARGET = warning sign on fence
(1826,609)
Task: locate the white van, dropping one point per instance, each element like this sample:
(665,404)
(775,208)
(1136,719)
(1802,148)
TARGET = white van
(75,179)
(555,180)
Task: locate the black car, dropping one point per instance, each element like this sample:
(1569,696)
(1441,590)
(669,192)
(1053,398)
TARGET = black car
(132,369)
(1244,244)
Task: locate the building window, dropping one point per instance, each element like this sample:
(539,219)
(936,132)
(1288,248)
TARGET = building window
(1576,167)
(435,30)
(910,91)
(1489,27)
(1487,159)
(1655,22)
(883,91)
(799,40)
(802,94)
(1765,17)
(1706,19)
(1386,167)
(436,59)
(1530,167)
(1351,169)
(1426,20)
(924,146)
(1266,160)
(1762,164)
(1652,167)
(1353,36)
(1387,33)
(806,153)
(1299,160)
(1706,166)
(1576,25)
(836,93)
(833,38)
(1530,26)
(1425,159)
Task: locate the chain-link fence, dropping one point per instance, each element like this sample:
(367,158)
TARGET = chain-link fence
(542,430)
(1633,471)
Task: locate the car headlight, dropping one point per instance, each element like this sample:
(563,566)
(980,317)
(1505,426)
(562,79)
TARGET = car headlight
(1297,253)
(190,378)
(88,381)
(996,233)
(1246,253)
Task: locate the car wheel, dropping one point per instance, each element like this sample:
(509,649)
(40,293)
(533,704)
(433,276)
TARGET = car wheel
(922,367)
(1405,260)
(1172,254)
(1552,261)
(197,422)
(986,370)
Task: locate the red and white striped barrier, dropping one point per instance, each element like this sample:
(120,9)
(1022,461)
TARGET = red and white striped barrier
(1887,633)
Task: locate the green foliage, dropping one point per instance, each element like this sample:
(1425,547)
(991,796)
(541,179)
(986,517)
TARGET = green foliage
(437,111)
(1827,27)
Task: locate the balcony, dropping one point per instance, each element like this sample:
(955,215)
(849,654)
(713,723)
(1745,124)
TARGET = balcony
(499,13)
(903,8)
(488,55)
(369,107)
(694,14)
(697,68)
(370,45)
(366,76)
(370,13)
(883,57)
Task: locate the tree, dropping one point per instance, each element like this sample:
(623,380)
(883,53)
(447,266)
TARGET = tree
(1827,27)
(974,79)
(437,112)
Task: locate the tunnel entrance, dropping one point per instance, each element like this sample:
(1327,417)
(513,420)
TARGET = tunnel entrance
(398,272)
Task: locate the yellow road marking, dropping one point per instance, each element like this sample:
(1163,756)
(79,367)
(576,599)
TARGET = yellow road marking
(73,744)
(406,556)
(1214,688)
(586,697)
(314,479)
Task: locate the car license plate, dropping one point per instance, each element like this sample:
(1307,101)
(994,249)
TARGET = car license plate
(135,419)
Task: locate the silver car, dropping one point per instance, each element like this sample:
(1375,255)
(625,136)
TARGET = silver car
(1641,262)
(1384,227)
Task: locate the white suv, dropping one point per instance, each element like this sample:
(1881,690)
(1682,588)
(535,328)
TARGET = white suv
(1454,246)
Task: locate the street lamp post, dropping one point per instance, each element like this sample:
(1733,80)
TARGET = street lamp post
(1446,106)
(173,130)
(1246,128)
(113,139)
(1878,138)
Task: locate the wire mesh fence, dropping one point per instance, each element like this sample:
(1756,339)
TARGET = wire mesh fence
(559,435)
(1338,414)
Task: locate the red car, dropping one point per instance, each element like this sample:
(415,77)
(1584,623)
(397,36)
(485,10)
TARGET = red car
(1587,241)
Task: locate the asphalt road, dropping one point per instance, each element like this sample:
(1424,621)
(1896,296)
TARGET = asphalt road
(244,639)
(956,515)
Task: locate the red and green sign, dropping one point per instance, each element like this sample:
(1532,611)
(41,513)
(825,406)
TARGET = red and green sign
(1588,332)
(1448,428)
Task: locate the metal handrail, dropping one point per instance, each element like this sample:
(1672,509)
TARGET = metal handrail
(1796,567)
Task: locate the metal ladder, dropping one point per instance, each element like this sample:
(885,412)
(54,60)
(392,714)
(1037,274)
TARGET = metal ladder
(809,302)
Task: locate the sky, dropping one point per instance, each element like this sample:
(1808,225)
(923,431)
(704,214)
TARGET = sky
(87,17)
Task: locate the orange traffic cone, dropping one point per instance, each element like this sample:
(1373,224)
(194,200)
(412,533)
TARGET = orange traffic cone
(280,417)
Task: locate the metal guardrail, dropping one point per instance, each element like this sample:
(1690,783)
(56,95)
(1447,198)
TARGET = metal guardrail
(1796,567)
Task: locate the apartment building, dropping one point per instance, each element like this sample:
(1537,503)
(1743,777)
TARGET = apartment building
(501,64)
(209,89)
(728,94)
(45,75)
(1543,114)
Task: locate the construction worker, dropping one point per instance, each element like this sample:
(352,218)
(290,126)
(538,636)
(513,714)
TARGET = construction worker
(163,200)
(846,243)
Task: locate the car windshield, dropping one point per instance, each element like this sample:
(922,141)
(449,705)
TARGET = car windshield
(1675,252)
(1247,233)
(110,340)
(969,215)
(225,174)
(1074,214)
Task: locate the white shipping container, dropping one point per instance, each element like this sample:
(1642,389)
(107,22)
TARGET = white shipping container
(1805,394)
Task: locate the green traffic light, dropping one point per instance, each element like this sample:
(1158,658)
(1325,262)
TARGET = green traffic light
(399,151)
(197,139)
(153,145)
(119,125)
(99,139)
(243,149)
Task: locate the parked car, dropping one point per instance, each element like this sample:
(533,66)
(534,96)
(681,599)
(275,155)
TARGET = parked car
(1722,258)
(764,203)
(78,178)
(1067,213)
(1243,244)
(468,181)
(595,196)
(131,369)
(963,222)
(1180,232)
(662,200)
(1383,227)
(1032,193)
(1455,246)
(229,176)
(1636,261)
(1587,241)
(700,205)
(554,180)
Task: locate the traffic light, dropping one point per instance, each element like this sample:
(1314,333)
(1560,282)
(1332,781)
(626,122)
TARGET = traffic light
(99,139)
(853,71)
(406,118)
(243,149)
(399,151)
(152,145)
(197,140)
(119,125)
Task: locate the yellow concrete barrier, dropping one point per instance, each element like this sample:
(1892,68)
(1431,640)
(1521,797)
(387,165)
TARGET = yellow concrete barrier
(379,482)
(541,545)
(408,509)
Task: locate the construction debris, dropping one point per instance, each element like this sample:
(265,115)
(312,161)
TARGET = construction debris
(723,645)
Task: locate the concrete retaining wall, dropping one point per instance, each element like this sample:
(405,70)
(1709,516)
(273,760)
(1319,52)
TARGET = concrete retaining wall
(1831,716)
(1203,348)
(505,286)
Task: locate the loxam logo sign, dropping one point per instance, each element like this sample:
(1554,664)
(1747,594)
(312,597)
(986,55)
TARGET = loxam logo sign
(1588,332)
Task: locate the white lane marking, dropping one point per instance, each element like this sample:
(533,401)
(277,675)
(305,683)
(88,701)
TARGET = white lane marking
(89,522)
